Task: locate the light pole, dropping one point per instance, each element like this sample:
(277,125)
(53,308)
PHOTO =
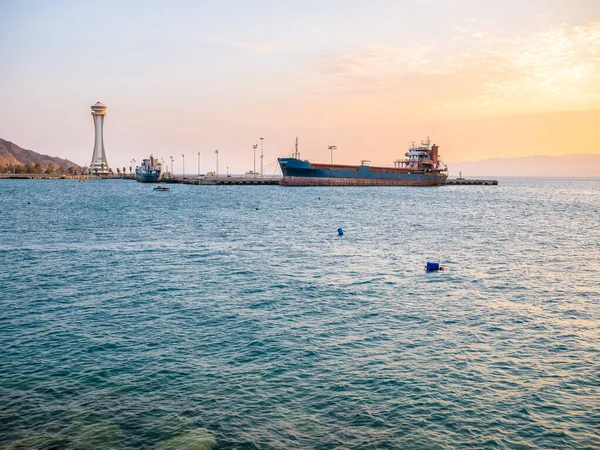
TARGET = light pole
(227,170)
(198,163)
(183,158)
(261,157)
(254,170)
(171,165)
(331,148)
(217,172)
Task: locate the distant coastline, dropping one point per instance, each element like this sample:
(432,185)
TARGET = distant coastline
(585,165)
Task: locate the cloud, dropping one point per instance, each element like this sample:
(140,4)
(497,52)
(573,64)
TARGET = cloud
(274,47)
(554,70)
(470,32)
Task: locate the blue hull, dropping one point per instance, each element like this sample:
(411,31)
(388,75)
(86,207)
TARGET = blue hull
(148,177)
(302,173)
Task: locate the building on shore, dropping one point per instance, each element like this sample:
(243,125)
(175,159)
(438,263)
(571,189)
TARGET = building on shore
(99,163)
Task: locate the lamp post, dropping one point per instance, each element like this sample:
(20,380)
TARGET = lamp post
(217,172)
(261,157)
(183,158)
(331,148)
(227,170)
(171,165)
(198,163)
(255,146)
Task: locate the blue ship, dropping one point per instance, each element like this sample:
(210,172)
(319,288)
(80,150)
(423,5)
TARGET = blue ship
(150,171)
(422,167)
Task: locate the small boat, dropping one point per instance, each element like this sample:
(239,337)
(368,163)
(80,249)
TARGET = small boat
(162,188)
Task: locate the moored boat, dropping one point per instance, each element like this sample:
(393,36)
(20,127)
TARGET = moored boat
(150,171)
(422,167)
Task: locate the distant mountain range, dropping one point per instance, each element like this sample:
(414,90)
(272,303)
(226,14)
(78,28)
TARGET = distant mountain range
(580,165)
(13,155)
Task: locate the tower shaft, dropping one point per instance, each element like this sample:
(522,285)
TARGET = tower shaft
(99,163)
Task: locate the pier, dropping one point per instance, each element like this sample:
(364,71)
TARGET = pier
(45,176)
(227,180)
(211,181)
(465,182)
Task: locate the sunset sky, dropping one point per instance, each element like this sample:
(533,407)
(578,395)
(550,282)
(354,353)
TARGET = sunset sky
(483,78)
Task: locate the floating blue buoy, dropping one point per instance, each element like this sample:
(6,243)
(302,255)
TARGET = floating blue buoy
(432,266)
(340,232)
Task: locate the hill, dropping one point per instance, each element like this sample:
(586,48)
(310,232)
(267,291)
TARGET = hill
(13,155)
(577,165)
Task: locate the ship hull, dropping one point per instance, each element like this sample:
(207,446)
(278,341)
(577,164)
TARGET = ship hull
(313,181)
(148,177)
(303,173)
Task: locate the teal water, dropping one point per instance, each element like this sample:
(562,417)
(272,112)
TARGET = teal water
(235,317)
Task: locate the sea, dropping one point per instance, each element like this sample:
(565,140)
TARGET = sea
(236,317)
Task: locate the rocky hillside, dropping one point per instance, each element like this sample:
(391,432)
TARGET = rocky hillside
(13,155)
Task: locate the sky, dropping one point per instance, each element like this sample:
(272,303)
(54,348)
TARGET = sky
(483,78)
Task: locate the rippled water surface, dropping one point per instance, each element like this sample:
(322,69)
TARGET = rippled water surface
(235,317)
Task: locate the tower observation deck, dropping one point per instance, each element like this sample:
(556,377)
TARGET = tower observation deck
(99,163)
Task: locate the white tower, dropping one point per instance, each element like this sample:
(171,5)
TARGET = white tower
(99,163)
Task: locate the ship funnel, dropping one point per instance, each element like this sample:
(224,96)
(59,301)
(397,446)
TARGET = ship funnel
(434,154)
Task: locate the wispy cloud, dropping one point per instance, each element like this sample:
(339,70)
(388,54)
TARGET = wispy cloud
(470,32)
(554,70)
(273,47)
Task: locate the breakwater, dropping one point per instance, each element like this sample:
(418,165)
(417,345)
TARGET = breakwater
(470,182)
(226,180)
(230,180)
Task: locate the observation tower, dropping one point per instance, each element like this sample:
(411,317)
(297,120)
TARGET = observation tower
(99,164)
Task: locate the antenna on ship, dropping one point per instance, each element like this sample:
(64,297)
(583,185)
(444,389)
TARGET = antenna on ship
(296,149)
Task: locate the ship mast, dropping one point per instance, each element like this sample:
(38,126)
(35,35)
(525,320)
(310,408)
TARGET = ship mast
(296,149)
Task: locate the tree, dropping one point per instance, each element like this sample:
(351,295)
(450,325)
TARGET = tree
(118,171)
(50,168)
(2,169)
(37,168)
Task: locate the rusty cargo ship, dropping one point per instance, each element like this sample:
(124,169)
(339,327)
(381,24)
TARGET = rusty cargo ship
(421,167)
